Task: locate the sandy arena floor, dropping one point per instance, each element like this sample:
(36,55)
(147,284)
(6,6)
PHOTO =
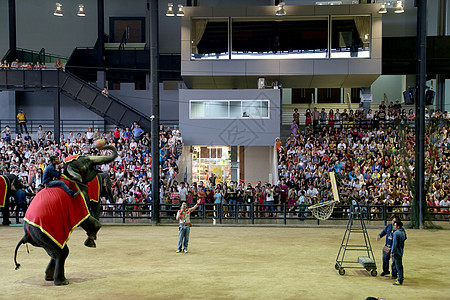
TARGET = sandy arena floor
(139,262)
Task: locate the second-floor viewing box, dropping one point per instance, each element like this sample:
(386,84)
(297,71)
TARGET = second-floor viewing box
(311,46)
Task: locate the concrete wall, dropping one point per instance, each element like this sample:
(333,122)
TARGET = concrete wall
(392,85)
(257,166)
(39,105)
(8,105)
(230,132)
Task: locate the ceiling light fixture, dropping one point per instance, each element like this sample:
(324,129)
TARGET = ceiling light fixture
(58,10)
(399,8)
(383,9)
(169,12)
(180,12)
(81,12)
(281,11)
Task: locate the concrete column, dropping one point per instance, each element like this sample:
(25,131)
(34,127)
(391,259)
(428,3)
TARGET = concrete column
(12,29)
(101,79)
(234,169)
(441,31)
(366,105)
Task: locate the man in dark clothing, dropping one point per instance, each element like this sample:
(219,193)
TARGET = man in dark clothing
(398,245)
(212,179)
(388,232)
(21,202)
(52,175)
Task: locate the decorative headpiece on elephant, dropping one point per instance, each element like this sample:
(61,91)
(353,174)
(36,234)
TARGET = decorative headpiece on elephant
(53,214)
(99,187)
(8,183)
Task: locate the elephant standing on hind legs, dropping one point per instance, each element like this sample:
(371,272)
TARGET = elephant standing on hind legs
(53,215)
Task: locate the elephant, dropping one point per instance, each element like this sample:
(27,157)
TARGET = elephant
(8,183)
(99,187)
(53,215)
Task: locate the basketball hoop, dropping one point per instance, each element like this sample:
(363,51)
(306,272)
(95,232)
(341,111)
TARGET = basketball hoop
(322,211)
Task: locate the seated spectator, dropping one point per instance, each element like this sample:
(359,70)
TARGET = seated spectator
(5,65)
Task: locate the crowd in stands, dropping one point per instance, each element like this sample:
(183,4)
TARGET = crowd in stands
(27,157)
(17,65)
(366,150)
(365,153)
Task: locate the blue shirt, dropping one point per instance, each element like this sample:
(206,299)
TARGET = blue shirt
(137,132)
(50,174)
(21,197)
(398,242)
(387,231)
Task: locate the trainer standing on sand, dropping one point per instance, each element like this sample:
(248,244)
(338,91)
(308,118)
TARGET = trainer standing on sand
(388,232)
(184,218)
(398,244)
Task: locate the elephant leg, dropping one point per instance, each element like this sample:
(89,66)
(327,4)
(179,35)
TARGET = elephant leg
(91,226)
(5,213)
(60,260)
(95,209)
(50,271)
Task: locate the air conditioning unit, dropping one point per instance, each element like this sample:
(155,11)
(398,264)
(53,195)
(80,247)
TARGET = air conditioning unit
(261,83)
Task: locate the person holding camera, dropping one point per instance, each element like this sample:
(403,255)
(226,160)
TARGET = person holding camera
(184,219)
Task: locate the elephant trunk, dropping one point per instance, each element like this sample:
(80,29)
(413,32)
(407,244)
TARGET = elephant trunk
(100,160)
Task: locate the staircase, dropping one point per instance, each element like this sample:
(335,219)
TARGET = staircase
(112,109)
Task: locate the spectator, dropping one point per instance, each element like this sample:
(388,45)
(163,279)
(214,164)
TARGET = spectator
(22,120)
(105,92)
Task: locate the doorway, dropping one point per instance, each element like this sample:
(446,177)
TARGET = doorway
(127,29)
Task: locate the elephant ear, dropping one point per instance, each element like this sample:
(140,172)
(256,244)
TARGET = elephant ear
(74,173)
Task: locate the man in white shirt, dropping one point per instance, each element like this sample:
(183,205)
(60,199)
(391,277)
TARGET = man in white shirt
(183,192)
(184,219)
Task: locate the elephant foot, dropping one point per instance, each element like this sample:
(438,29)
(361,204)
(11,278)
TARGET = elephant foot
(89,242)
(49,278)
(6,223)
(62,282)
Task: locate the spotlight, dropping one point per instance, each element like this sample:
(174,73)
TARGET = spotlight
(180,12)
(169,12)
(58,11)
(383,9)
(281,11)
(81,12)
(399,8)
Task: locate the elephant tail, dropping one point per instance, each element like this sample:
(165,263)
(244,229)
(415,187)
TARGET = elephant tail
(22,241)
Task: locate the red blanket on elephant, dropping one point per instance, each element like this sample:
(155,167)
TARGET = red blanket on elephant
(56,213)
(94,190)
(3,191)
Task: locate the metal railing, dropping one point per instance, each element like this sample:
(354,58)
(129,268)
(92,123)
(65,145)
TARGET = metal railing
(27,55)
(48,125)
(261,213)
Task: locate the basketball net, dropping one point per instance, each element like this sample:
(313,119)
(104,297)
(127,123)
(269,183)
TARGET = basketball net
(323,211)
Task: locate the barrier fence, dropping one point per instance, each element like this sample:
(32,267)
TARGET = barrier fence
(259,213)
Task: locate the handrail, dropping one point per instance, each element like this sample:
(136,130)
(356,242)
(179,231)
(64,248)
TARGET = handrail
(123,41)
(109,96)
(251,212)
(36,53)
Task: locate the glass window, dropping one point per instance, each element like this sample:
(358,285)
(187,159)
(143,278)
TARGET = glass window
(216,109)
(235,109)
(229,109)
(209,38)
(279,38)
(350,36)
(197,109)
